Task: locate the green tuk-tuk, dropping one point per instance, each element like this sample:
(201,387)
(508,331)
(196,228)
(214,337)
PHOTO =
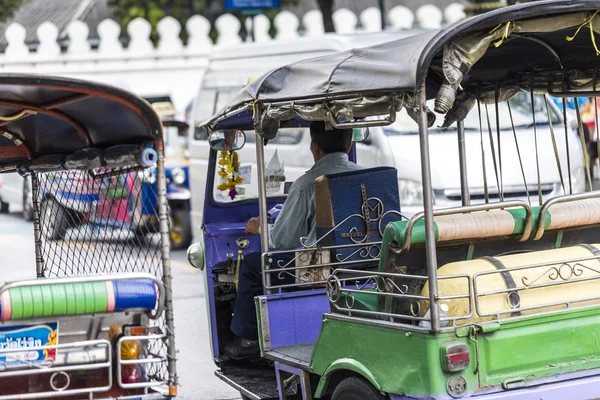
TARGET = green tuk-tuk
(497,299)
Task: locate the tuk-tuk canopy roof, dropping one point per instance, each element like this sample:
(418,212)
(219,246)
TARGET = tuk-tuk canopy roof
(49,116)
(479,52)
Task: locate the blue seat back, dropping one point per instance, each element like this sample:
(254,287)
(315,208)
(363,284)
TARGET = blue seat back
(355,205)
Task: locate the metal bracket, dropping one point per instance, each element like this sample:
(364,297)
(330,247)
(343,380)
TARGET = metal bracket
(265,329)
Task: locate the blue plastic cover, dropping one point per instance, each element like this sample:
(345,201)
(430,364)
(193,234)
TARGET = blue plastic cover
(135,294)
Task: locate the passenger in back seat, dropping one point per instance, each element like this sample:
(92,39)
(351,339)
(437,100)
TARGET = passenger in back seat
(296,220)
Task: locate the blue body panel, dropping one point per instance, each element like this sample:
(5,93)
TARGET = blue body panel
(223,224)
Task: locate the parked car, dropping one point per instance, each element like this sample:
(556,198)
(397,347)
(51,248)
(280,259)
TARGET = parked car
(15,190)
(229,69)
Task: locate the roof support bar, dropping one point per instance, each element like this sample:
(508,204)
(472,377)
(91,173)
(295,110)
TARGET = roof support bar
(56,114)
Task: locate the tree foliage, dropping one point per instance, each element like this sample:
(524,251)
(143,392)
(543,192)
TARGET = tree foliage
(8,8)
(154,10)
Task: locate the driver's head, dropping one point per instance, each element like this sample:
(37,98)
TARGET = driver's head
(325,142)
(229,139)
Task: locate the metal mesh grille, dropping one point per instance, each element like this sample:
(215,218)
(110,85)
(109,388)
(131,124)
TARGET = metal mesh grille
(102,222)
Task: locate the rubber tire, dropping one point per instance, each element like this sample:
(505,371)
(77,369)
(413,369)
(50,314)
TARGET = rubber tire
(3,207)
(56,227)
(27,204)
(183,217)
(354,388)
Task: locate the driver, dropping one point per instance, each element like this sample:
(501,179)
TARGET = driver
(230,140)
(296,220)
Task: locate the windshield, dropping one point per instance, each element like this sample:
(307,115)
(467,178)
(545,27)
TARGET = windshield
(287,157)
(175,144)
(520,108)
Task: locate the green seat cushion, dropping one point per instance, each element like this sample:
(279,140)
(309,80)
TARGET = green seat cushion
(395,231)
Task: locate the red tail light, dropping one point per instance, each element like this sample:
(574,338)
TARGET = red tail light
(455,357)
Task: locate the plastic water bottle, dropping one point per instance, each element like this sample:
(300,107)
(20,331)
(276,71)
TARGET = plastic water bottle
(443,314)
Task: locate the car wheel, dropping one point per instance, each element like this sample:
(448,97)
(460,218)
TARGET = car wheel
(354,388)
(181,229)
(3,207)
(27,201)
(54,218)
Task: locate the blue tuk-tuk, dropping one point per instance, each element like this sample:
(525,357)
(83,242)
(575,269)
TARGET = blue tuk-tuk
(135,202)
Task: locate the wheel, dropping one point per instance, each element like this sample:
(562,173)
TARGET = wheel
(55,219)
(27,201)
(3,207)
(181,229)
(354,388)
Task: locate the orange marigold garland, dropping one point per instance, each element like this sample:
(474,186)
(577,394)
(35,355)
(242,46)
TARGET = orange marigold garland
(229,166)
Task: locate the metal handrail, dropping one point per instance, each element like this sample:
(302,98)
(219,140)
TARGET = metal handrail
(98,278)
(557,200)
(334,283)
(469,209)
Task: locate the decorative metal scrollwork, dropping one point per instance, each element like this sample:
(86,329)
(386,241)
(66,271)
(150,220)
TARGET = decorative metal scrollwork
(564,271)
(333,289)
(369,251)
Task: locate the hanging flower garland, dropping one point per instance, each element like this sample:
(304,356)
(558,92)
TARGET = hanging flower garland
(229,166)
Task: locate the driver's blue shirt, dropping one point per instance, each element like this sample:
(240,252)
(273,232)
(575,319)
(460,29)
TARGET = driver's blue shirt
(297,217)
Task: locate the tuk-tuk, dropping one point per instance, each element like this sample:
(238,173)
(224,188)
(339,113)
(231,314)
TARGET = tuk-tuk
(98,320)
(490,300)
(127,207)
(177,167)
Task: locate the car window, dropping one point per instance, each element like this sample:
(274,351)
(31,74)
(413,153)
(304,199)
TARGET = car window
(209,102)
(520,108)
(205,106)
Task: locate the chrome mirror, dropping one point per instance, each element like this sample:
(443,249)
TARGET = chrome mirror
(195,255)
(227,140)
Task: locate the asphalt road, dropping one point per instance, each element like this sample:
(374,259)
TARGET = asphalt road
(195,366)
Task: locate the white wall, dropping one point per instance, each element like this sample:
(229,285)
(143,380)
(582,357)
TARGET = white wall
(173,68)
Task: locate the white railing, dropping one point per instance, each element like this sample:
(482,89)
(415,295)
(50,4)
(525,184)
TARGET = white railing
(172,67)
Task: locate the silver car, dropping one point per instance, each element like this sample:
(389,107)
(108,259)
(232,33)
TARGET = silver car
(16,191)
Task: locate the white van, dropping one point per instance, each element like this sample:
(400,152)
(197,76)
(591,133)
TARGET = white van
(396,145)
(229,69)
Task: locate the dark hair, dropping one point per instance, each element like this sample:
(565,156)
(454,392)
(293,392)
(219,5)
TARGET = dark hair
(330,141)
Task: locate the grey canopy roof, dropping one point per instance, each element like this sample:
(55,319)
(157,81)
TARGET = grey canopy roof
(403,65)
(44,116)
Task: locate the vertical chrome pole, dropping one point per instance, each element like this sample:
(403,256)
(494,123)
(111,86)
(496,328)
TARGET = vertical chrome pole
(430,249)
(163,218)
(462,156)
(262,204)
(37,233)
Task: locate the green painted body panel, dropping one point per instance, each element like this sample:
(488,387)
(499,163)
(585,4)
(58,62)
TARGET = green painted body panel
(522,350)
(398,361)
(540,346)
(58,300)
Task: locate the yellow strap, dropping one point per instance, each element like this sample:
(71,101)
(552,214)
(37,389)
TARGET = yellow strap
(586,22)
(17,116)
(499,42)
(496,28)
(254,108)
